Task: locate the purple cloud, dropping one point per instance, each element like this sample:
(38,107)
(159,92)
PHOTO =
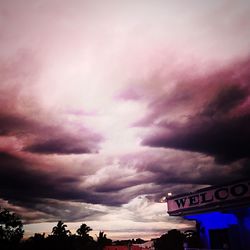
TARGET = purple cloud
(62,145)
(219,127)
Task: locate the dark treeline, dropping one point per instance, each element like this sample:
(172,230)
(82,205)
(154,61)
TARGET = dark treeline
(175,240)
(11,234)
(129,242)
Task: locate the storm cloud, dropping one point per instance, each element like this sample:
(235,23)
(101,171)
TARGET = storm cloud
(219,126)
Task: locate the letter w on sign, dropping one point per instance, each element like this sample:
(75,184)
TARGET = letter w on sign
(181,202)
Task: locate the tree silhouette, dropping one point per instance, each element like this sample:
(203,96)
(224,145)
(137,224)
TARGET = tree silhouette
(11,227)
(102,240)
(173,240)
(192,238)
(60,230)
(83,231)
(38,237)
(83,240)
(38,242)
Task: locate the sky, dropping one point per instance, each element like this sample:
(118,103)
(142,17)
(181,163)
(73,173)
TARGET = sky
(107,106)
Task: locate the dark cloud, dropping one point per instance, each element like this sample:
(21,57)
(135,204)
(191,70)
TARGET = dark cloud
(227,140)
(59,146)
(22,184)
(67,210)
(116,186)
(16,124)
(194,173)
(220,126)
(120,183)
(226,100)
(46,138)
(19,182)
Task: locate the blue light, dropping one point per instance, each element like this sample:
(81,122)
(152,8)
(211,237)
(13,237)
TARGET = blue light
(214,220)
(247,220)
(235,222)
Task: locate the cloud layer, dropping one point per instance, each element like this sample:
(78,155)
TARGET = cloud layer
(106,107)
(220,124)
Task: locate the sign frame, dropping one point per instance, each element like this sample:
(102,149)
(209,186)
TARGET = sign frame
(213,198)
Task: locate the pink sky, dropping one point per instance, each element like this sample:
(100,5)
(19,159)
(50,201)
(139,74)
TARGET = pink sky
(106,106)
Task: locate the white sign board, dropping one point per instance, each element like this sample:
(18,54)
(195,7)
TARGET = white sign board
(212,197)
